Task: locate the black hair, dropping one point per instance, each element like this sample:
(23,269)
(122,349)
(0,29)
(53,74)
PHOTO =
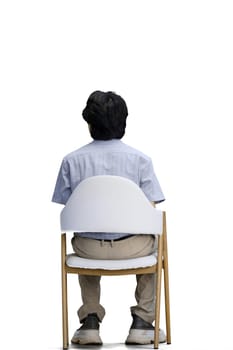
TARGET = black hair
(106,114)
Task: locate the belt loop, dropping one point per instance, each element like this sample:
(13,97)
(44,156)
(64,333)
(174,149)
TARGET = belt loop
(102,242)
(111,242)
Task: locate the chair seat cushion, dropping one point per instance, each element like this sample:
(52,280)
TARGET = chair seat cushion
(73,260)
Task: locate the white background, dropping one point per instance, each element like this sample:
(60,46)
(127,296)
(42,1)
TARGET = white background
(172,63)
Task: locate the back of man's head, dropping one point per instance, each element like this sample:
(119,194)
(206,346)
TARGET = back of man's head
(106,114)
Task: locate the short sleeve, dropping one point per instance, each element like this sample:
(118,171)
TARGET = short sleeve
(62,189)
(149,182)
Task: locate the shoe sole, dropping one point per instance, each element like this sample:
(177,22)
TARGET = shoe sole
(86,337)
(141,336)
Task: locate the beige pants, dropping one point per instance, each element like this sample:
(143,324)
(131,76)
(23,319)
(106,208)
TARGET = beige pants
(132,247)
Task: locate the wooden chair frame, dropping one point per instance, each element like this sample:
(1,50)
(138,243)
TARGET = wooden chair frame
(161,265)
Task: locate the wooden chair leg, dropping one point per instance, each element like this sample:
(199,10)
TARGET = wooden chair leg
(158,293)
(167,304)
(64,295)
(166,284)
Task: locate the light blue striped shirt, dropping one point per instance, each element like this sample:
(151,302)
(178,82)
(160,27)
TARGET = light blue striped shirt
(111,157)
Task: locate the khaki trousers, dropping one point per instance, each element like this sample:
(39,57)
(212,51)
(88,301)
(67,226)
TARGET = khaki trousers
(132,247)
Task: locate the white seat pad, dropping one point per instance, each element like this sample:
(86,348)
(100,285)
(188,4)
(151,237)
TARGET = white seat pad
(73,260)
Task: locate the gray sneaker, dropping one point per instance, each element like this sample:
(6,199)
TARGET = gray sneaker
(142,332)
(88,333)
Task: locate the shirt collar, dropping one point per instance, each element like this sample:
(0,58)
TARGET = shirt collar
(107,142)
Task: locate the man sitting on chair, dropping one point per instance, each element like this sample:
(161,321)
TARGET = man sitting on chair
(106,114)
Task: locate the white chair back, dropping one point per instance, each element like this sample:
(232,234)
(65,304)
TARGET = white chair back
(110,204)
